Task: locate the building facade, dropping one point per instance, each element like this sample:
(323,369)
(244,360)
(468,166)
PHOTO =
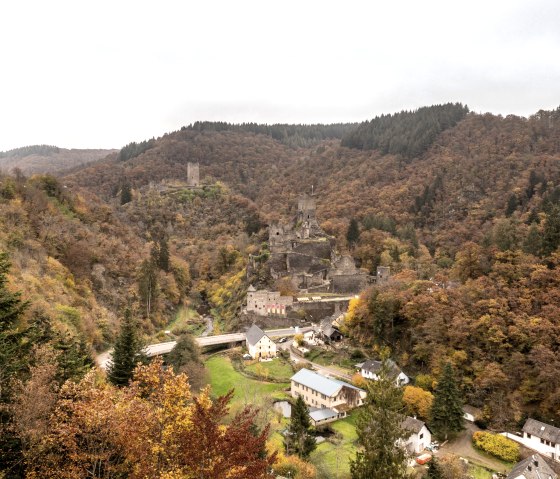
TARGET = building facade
(259,345)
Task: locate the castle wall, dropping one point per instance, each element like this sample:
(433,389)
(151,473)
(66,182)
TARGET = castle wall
(268,302)
(319,249)
(349,283)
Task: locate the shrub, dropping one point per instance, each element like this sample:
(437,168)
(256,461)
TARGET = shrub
(496,445)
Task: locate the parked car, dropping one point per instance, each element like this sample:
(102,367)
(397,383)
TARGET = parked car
(283,340)
(247,356)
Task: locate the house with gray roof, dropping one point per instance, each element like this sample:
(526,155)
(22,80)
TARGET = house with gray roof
(542,437)
(259,345)
(328,331)
(533,467)
(370,370)
(419,435)
(329,398)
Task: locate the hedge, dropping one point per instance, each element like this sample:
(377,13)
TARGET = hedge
(497,445)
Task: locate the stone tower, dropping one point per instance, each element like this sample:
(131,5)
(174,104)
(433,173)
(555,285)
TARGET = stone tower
(306,209)
(193,178)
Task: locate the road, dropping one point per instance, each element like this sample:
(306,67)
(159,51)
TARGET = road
(164,348)
(462,446)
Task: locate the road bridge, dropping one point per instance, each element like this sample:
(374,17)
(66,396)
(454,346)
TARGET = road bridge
(158,349)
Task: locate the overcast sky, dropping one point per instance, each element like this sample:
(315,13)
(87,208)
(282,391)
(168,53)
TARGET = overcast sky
(99,74)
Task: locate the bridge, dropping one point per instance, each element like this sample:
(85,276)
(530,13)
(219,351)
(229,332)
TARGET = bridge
(158,349)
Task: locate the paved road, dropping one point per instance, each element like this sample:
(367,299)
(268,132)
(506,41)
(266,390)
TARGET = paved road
(164,348)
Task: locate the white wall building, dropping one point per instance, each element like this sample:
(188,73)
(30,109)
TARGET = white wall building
(370,370)
(259,345)
(542,437)
(420,435)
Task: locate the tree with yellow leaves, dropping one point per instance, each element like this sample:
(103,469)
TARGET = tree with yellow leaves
(153,428)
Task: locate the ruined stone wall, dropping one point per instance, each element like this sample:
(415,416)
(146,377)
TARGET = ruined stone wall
(349,283)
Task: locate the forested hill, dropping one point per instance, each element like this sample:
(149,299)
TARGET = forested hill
(470,229)
(473,174)
(48,159)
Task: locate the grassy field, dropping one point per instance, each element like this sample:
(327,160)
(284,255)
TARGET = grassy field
(478,472)
(329,358)
(334,455)
(224,377)
(277,369)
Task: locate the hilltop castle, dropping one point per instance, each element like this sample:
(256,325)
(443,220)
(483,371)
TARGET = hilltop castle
(303,252)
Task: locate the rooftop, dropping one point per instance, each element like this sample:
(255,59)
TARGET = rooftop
(322,414)
(534,467)
(322,384)
(254,334)
(542,430)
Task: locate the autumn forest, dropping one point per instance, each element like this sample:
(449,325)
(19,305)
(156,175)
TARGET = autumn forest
(464,208)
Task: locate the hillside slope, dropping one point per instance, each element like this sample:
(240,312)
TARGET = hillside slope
(48,159)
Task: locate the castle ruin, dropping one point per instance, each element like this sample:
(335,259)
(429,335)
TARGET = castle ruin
(193,174)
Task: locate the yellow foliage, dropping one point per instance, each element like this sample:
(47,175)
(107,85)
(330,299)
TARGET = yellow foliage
(417,401)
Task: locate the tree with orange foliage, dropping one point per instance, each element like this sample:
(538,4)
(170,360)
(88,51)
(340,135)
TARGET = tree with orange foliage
(153,428)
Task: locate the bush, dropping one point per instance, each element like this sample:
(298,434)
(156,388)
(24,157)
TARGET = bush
(496,445)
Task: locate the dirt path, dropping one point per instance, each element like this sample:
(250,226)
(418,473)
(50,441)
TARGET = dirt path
(462,447)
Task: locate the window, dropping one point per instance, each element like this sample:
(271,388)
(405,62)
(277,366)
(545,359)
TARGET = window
(421,436)
(528,436)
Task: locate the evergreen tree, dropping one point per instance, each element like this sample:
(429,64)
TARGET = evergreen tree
(126,194)
(379,429)
(127,353)
(299,439)
(14,352)
(434,470)
(163,256)
(511,205)
(533,241)
(551,232)
(447,408)
(353,233)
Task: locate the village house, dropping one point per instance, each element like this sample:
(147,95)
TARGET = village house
(542,437)
(533,467)
(259,345)
(328,398)
(420,435)
(329,330)
(370,370)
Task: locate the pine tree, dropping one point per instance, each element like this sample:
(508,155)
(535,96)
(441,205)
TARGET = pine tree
(353,233)
(511,205)
(14,354)
(127,353)
(551,232)
(126,194)
(299,439)
(380,434)
(447,408)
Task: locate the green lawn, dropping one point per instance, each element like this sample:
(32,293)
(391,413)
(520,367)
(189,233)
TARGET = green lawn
(276,369)
(478,472)
(335,455)
(224,377)
(329,358)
